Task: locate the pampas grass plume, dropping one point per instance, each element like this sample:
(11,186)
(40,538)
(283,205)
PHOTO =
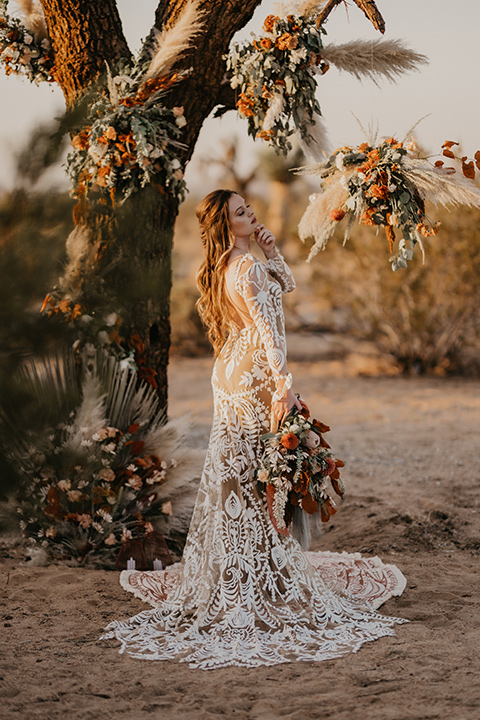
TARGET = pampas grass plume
(33,17)
(373,58)
(170,44)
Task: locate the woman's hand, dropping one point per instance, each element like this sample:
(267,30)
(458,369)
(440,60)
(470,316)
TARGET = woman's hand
(282,407)
(265,241)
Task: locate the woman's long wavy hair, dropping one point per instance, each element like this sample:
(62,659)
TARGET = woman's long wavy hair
(218,240)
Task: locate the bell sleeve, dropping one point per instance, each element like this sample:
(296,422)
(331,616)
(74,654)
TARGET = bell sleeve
(252,285)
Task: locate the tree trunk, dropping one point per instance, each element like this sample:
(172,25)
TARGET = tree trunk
(85,35)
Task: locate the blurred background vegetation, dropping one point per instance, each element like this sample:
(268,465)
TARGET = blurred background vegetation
(425,319)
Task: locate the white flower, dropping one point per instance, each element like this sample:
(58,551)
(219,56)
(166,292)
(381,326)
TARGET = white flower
(97,152)
(74,495)
(110,539)
(50,532)
(64,485)
(180,121)
(339,161)
(135,482)
(105,515)
(167,508)
(111,319)
(27,39)
(297,55)
(86,443)
(126,535)
(99,528)
(110,448)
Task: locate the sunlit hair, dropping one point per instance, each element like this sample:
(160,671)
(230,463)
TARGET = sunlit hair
(218,240)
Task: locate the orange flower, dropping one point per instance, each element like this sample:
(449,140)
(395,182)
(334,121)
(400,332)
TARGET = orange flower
(289,441)
(270,22)
(379,191)
(245,105)
(110,133)
(364,148)
(367,218)
(394,143)
(266,43)
(264,134)
(287,42)
(337,214)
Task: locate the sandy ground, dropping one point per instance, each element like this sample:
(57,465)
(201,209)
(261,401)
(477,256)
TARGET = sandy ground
(413,466)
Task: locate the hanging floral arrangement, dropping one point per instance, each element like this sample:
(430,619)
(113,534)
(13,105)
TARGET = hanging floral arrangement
(385,185)
(25,51)
(275,74)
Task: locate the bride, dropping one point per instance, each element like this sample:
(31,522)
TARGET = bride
(244,594)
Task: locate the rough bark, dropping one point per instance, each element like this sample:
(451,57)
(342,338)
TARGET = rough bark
(85,34)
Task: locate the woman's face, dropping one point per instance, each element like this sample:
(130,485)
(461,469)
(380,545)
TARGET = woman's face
(241,217)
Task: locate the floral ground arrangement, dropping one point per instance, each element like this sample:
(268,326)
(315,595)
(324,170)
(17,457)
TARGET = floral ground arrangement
(386,184)
(295,468)
(99,474)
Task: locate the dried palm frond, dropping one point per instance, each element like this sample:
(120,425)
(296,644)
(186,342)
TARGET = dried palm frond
(373,58)
(33,18)
(439,186)
(170,44)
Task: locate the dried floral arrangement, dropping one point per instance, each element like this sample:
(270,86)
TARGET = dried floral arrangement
(294,468)
(130,140)
(276,73)
(385,184)
(26,50)
(105,467)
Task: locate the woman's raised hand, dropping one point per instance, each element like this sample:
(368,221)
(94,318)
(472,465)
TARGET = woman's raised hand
(265,241)
(283,406)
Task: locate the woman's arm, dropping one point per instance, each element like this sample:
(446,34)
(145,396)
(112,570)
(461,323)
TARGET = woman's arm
(252,285)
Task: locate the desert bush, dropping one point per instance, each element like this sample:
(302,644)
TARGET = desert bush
(426,316)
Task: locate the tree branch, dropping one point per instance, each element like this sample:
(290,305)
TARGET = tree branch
(368,7)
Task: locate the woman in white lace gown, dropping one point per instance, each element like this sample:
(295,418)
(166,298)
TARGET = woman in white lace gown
(243,594)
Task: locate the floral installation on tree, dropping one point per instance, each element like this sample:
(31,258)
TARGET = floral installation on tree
(294,467)
(26,50)
(385,184)
(105,466)
(276,73)
(130,141)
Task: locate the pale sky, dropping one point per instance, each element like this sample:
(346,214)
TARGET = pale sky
(446,90)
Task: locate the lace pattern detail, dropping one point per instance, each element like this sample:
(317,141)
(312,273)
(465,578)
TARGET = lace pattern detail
(243,594)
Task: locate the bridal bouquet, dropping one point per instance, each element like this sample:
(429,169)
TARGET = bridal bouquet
(295,467)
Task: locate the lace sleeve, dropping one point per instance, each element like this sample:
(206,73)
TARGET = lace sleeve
(281,272)
(252,285)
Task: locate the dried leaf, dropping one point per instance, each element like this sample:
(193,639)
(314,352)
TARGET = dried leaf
(134,428)
(449,143)
(448,153)
(468,169)
(439,163)
(477,159)
(309,504)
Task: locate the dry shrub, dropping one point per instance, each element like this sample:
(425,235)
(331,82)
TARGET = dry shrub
(428,315)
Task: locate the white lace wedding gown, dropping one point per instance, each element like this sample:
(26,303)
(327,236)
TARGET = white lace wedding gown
(243,594)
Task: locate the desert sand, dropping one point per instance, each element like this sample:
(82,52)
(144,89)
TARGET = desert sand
(413,466)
